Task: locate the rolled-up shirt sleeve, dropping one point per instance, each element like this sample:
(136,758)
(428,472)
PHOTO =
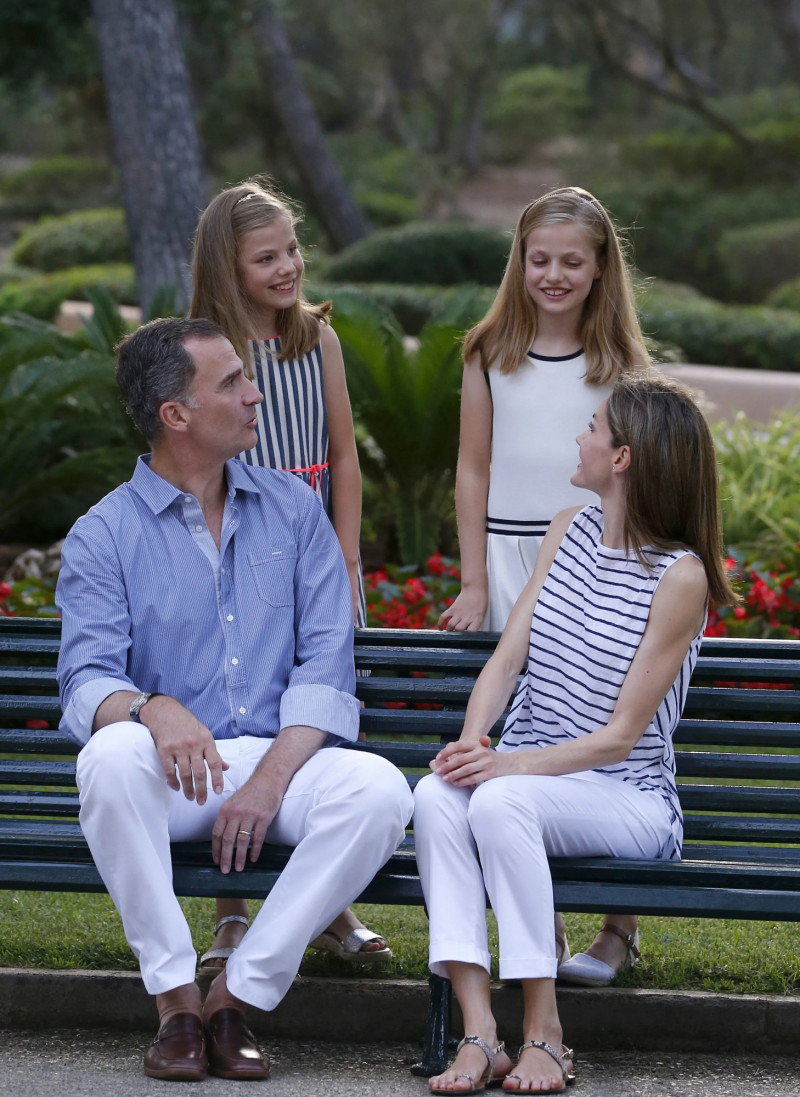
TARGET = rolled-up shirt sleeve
(321,689)
(95,630)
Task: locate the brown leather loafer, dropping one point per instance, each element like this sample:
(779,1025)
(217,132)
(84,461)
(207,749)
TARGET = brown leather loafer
(178,1053)
(232,1048)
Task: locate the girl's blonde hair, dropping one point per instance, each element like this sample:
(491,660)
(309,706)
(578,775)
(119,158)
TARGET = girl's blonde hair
(672,489)
(218,291)
(610,334)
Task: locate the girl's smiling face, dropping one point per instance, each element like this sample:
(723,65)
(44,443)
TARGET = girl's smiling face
(270,268)
(560,268)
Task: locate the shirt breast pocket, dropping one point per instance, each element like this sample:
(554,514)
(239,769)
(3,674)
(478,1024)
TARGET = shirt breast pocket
(273,574)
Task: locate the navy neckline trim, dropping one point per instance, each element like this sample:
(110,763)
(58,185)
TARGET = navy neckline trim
(560,358)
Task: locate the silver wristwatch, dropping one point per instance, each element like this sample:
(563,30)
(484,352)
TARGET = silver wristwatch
(137,704)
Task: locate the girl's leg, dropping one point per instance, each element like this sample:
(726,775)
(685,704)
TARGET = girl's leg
(230,934)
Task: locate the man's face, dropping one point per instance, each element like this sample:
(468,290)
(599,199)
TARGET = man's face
(221,409)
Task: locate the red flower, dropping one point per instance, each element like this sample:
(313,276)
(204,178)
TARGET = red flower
(5,590)
(436,565)
(37,725)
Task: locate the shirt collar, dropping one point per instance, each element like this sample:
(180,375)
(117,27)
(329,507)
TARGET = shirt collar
(159,494)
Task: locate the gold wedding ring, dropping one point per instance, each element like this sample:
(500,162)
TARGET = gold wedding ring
(247,832)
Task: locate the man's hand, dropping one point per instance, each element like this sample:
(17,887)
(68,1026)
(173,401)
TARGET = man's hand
(243,821)
(185,746)
(467,763)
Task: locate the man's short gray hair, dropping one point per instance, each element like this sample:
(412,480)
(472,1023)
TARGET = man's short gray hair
(154,367)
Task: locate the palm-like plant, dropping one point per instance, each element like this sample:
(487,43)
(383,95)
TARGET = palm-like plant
(66,438)
(405,395)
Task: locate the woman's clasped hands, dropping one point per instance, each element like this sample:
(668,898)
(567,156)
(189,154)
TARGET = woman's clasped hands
(471,762)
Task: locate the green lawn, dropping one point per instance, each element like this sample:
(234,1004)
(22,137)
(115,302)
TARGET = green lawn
(62,930)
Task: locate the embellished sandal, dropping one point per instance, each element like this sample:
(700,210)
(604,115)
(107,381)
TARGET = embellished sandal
(487,1078)
(350,947)
(226,951)
(561,1057)
(583,970)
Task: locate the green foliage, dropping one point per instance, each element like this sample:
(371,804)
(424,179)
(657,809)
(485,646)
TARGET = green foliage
(10,272)
(753,337)
(43,295)
(760,485)
(676,223)
(407,400)
(412,306)
(715,157)
(535,104)
(785,296)
(420,253)
(74,240)
(66,438)
(759,257)
(60,183)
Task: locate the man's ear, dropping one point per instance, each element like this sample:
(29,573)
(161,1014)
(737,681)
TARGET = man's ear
(174,415)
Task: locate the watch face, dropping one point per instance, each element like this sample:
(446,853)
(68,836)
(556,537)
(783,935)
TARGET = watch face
(137,704)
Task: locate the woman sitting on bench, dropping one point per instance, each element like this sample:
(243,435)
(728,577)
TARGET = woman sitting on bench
(610,623)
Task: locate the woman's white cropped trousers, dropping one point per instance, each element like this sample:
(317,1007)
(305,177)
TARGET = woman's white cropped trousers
(495,839)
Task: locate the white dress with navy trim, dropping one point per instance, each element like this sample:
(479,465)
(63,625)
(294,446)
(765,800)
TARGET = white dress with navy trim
(587,626)
(537,412)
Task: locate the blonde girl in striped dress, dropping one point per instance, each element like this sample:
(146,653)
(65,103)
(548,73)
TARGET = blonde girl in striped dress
(247,273)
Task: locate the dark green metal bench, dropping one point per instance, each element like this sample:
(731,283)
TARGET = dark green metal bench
(738,763)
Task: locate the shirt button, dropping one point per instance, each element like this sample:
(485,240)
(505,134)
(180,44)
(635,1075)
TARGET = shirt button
(229,617)
(222,570)
(187,498)
(199,529)
(242,711)
(235,662)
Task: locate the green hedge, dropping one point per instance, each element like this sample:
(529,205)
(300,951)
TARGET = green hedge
(42,296)
(74,240)
(759,257)
(413,306)
(60,183)
(715,156)
(753,337)
(785,296)
(424,254)
(675,224)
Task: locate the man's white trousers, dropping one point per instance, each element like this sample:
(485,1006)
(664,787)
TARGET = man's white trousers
(499,834)
(345,812)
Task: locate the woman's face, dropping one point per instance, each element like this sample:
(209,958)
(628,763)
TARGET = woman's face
(596,454)
(270,267)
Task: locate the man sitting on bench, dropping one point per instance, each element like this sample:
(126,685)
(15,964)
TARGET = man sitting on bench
(208,641)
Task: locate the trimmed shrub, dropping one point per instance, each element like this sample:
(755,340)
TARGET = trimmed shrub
(757,258)
(10,272)
(535,104)
(675,224)
(42,296)
(60,183)
(715,157)
(785,296)
(412,306)
(423,254)
(752,337)
(74,240)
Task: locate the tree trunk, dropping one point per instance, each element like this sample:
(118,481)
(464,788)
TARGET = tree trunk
(156,145)
(331,197)
(786,16)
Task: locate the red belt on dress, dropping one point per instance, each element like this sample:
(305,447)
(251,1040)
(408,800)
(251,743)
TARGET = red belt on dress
(316,471)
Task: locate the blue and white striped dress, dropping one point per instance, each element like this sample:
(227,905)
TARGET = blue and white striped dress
(293,422)
(587,626)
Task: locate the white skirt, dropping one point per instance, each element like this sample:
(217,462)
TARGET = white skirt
(509,565)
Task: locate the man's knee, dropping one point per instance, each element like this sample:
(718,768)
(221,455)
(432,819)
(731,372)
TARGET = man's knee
(116,755)
(379,789)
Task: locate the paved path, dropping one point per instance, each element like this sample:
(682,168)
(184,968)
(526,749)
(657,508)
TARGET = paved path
(101,1065)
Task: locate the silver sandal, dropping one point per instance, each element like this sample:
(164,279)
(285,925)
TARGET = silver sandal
(487,1078)
(561,1057)
(349,947)
(226,951)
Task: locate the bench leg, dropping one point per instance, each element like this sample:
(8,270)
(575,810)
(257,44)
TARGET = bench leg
(437,1029)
